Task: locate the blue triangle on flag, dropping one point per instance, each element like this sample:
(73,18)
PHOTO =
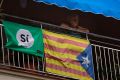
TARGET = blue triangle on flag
(86,60)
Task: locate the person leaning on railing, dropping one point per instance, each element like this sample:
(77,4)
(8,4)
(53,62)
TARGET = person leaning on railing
(72,22)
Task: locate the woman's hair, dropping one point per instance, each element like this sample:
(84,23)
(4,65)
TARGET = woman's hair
(69,18)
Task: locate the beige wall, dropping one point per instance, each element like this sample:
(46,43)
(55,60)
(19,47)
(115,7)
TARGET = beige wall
(11,75)
(4,76)
(8,74)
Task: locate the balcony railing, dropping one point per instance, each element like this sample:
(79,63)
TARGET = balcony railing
(106,56)
(106,62)
(18,59)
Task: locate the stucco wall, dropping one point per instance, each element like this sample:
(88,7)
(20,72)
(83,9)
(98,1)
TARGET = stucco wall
(4,76)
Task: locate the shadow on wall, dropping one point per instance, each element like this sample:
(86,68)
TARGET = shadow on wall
(52,14)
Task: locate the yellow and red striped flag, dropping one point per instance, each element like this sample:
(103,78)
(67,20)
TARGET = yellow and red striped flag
(61,52)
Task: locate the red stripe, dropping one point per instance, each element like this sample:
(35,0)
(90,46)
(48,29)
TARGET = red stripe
(56,67)
(61,50)
(65,41)
(62,60)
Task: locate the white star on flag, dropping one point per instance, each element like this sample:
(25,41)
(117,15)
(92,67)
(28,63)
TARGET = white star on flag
(86,61)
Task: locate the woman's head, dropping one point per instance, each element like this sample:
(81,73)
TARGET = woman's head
(73,20)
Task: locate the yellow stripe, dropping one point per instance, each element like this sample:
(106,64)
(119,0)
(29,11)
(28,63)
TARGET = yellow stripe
(65,37)
(65,45)
(68,65)
(59,55)
(62,73)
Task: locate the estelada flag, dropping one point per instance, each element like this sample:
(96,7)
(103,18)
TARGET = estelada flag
(68,56)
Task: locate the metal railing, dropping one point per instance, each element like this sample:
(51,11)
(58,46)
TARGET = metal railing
(106,62)
(22,61)
(106,58)
(18,59)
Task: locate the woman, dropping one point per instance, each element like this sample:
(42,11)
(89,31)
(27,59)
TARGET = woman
(72,22)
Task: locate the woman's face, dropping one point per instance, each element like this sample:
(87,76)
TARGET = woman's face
(74,22)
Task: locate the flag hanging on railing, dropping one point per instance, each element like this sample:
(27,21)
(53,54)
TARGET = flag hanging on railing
(24,38)
(68,56)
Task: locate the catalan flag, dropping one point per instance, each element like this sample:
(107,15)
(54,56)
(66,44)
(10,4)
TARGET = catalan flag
(68,56)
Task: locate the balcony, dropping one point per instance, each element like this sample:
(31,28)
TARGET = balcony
(106,57)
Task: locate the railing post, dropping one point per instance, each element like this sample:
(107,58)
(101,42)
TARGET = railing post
(110,63)
(114,63)
(118,62)
(23,56)
(101,62)
(97,63)
(3,53)
(105,62)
